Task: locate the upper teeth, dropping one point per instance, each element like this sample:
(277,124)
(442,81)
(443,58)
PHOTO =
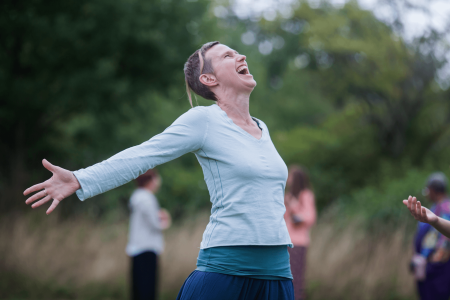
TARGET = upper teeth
(241,68)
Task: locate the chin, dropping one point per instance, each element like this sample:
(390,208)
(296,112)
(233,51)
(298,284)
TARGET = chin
(251,84)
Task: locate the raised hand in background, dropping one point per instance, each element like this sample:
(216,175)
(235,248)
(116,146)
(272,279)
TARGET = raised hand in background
(423,214)
(419,212)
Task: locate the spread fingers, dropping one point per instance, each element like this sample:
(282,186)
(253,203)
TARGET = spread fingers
(53,206)
(34,188)
(36,196)
(42,201)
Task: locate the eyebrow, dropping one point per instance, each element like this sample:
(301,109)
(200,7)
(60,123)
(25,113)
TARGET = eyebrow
(228,52)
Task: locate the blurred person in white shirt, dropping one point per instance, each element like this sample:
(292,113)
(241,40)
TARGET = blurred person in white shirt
(145,243)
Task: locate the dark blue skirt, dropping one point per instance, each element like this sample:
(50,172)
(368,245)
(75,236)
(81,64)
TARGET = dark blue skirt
(207,285)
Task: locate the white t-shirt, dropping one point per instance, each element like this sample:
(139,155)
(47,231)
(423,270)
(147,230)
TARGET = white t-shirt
(145,229)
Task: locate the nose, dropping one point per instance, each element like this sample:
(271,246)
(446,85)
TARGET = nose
(241,57)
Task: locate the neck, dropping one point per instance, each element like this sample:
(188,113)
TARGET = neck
(236,105)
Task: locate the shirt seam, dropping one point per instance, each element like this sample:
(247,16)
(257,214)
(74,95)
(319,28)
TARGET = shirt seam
(221,204)
(207,129)
(215,189)
(290,245)
(217,194)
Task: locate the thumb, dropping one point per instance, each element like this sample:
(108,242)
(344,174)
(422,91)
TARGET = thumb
(405,202)
(48,165)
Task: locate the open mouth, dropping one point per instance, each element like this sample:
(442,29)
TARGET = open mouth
(243,70)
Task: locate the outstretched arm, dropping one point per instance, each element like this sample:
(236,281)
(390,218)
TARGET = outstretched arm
(186,134)
(423,214)
(61,185)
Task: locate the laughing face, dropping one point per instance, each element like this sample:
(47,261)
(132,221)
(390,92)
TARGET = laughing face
(230,69)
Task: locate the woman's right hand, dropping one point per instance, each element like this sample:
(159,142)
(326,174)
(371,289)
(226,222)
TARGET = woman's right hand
(61,185)
(419,212)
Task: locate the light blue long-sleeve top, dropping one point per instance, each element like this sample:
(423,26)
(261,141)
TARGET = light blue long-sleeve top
(245,176)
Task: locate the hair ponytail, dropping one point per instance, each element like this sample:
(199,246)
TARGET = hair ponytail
(193,68)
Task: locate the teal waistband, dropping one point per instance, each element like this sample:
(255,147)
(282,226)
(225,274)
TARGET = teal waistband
(259,262)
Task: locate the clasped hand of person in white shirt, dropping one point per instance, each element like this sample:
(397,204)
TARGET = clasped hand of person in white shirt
(61,185)
(164,218)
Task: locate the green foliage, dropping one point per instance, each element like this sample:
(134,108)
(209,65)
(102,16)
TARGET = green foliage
(346,161)
(355,57)
(338,153)
(378,205)
(82,59)
(76,73)
(341,93)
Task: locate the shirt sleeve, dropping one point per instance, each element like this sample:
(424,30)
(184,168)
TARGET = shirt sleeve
(186,134)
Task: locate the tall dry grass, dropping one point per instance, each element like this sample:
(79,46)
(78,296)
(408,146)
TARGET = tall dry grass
(348,263)
(343,263)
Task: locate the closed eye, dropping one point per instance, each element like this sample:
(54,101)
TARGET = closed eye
(230,54)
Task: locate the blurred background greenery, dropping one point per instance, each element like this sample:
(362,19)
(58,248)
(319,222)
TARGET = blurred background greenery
(348,95)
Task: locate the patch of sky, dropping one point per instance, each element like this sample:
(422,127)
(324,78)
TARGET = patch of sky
(270,14)
(278,42)
(286,11)
(295,26)
(415,19)
(268,9)
(248,38)
(220,11)
(265,47)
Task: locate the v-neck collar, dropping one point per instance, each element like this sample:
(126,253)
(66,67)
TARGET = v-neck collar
(239,128)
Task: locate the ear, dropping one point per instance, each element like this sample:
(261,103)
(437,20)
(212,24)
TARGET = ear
(208,79)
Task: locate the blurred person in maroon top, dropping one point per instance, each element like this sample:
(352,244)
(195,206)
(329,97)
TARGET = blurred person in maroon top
(300,216)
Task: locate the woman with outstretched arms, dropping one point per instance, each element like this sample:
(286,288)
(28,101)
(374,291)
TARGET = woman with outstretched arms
(243,253)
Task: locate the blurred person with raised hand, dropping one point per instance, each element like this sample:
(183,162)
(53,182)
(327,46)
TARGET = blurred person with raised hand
(145,242)
(431,260)
(300,216)
(244,250)
(424,215)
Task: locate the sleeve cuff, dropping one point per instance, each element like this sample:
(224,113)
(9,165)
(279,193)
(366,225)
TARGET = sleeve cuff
(81,194)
